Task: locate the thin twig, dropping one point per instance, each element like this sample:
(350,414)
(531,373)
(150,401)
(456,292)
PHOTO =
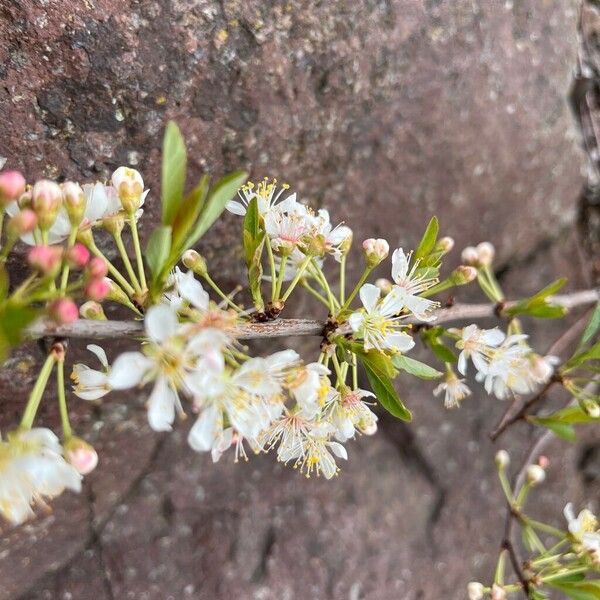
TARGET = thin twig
(532,454)
(283,327)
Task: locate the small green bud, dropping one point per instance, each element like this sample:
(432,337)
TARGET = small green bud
(196,263)
(92,310)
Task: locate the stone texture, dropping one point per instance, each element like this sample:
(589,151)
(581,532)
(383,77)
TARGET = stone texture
(387,112)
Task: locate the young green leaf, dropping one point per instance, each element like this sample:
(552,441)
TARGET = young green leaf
(158,250)
(592,326)
(188,214)
(379,370)
(559,428)
(221,193)
(174,163)
(427,243)
(415,367)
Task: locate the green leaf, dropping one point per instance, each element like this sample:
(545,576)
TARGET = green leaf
(13,321)
(382,386)
(188,215)
(549,290)
(579,358)
(222,192)
(174,162)
(580,590)
(427,243)
(254,238)
(415,367)
(571,415)
(559,428)
(158,250)
(592,326)
(538,305)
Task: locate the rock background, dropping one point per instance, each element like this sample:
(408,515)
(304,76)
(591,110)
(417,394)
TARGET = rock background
(384,111)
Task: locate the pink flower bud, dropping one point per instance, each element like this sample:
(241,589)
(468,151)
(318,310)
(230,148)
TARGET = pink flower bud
(81,455)
(97,268)
(97,289)
(46,259)
(63,311)
(544,461)
(463,274)
(445,244)
(12,185)
(78,256)
(46,200)
(375,250)
(23,222)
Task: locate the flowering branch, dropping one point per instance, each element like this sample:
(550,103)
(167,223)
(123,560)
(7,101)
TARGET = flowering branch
(101,330)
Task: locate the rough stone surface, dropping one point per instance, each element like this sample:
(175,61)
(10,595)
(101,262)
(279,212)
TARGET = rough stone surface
(385,111)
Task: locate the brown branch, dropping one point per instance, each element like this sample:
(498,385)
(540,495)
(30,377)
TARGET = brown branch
(94,330)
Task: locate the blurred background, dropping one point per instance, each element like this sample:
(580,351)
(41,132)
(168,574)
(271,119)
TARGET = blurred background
(386,112)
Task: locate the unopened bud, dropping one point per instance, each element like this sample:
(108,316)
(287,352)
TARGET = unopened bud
(498,593)
(375,250)
(502,459)
(385,285)
(46,259)
(81,455)
(115,293)
(470,256)
(97,289)
(46,200)
(92,310)
(77,256)
(63,311)
(445,244)
(75,202)
(544,461)
(475,590)
(12,185)
(97,268)
(591,407)
(463,274)
(485,253)
(535,474)
(193,261)
(23,222)
(130,187)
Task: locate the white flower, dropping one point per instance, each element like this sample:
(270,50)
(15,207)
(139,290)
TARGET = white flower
(409,284)
(584,528)
(220,399)
(377,324)
(313,451)
(265,376)
(32,468)
(170,359)
(333,237)
(455,390)
(348,412)
(267,198)
(91,384)
(286,231)
(476,344)
(185,288)
(309,385)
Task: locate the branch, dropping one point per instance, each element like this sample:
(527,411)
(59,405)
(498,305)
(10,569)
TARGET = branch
(96,330)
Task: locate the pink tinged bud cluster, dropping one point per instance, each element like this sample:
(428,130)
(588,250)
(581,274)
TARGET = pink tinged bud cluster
(480,256)
(97,289)
(12,185)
